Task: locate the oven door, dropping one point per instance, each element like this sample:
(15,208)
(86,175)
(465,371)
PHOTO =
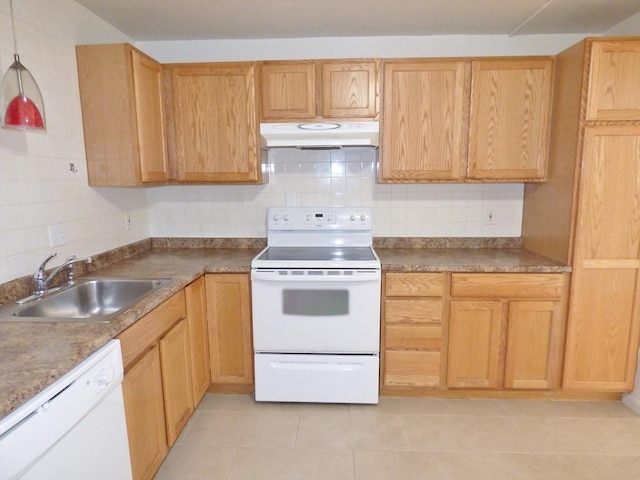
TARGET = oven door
(323,310)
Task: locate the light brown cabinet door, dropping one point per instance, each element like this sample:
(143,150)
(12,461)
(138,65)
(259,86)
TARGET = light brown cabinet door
(425,111)
(613,81)
(215,122)
(229,325)
(604,310)
(176,379)
(122,115)
(144,407)
(475,331)
(349,89)
(288,90)
(147,82)
(198,338)
(534,347)
(510,114)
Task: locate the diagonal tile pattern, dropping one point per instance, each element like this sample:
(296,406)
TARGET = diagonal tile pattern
(231,437)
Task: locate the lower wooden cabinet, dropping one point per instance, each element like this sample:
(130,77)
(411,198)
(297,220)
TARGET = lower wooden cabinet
(475,330)
(144,405)
(157,383)
(196,299)
(229,325)
(176,379)
(511,335)
(412,330)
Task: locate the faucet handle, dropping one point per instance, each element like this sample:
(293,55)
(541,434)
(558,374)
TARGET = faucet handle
(40,272)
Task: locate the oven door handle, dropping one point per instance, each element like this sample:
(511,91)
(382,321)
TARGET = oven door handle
(355,276)
(317,366)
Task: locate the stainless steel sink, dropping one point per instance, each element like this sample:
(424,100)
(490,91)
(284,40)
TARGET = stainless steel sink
(88,300)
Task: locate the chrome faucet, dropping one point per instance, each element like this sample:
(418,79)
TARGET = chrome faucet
(43,280)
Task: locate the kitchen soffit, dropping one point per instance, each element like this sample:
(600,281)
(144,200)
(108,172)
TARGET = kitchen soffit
(154,20)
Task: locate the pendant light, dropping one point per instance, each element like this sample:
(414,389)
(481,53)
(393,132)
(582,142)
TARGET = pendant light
(21,99)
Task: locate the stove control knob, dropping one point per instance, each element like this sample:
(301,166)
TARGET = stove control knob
(276,217)
(286,218)
(353,218)
(363,217)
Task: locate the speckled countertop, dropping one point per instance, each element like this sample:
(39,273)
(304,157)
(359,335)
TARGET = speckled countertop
(507,260)
(34,355)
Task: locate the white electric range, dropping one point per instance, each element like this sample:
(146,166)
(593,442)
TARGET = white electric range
(316,307)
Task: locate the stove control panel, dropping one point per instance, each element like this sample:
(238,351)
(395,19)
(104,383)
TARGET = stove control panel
(319,218)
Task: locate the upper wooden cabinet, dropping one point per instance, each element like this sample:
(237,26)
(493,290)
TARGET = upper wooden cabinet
(122,115)
(510,113)
(288,90)
(613,81)
(424,131)
(319,89)
(215,122)
(462,120)
(349,89)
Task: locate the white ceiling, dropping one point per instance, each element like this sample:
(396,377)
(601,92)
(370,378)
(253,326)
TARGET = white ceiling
(149,20)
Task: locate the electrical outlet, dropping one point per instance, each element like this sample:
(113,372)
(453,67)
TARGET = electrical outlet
(489,216)
(57,235)
(128,223)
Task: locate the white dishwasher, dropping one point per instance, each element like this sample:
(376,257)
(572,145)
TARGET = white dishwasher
(75,429)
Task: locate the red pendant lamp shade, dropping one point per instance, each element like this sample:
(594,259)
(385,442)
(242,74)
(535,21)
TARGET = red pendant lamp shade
(23,113)
(22,103)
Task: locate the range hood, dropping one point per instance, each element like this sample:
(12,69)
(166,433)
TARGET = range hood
(319,134)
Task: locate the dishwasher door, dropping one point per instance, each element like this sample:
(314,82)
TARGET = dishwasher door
(73,430)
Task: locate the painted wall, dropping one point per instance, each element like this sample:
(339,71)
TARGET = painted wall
(37,189)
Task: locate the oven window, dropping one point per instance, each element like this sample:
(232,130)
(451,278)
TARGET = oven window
(315,302)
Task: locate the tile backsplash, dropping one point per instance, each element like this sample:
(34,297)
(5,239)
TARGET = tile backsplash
(341,177)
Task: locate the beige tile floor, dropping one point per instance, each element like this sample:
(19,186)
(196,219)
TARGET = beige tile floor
(231,437)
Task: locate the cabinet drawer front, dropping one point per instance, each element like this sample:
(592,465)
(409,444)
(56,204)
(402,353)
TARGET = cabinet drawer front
(139,336)
(414,284)
(413,311)
(404,337)
(415,369)
(546,285)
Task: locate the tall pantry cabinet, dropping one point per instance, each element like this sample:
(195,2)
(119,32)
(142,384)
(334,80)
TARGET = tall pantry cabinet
(588,213)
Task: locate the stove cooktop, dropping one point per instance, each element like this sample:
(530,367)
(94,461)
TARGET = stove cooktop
(319,254)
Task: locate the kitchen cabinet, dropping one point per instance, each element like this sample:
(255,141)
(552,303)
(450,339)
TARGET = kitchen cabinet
(319,89)
(157,383)
(605,301)
(412,330)
(465,120)
(596,208)
(195,296)
(229,326)
(176,379)
(425,120)
(613,81)
(144,405)
(214,122)
(510,113)
(288,90)
(506,330)
(122,116)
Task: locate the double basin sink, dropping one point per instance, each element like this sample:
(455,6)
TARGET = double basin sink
(96,300)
